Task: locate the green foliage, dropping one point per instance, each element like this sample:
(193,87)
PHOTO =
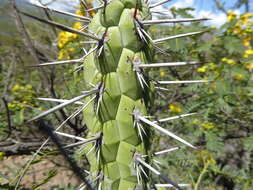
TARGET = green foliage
(224,125)
(47,178)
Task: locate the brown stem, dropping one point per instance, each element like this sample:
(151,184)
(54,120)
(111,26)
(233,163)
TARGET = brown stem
(8,118)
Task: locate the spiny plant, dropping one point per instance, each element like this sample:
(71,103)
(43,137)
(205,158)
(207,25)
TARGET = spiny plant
(118,94)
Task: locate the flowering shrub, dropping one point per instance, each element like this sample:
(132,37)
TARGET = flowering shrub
(224,125)
(69,43)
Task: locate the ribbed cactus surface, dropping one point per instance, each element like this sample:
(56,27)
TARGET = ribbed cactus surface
(111,68)
(118,95)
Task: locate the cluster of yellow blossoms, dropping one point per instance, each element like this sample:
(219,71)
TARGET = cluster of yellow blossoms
(23,96)
(205,157)
(162,73)
(248,53)
(228,61)
(237,76)
(204,126)
(243,26)
(2,154)
(174,108)
(207,67)
(65,37)
(207,126)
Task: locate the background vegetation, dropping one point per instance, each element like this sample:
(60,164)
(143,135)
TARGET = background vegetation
(222,128)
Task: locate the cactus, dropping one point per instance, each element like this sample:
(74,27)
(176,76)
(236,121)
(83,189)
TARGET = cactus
(118,94)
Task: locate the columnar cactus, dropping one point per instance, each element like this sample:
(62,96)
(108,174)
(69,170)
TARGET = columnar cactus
(119,94)
(113,68)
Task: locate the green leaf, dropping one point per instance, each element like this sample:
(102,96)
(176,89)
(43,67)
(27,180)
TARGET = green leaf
(248,143)
(233,45)
(49,176)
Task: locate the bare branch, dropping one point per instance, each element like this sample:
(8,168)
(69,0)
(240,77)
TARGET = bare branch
(220,6)
(61,26)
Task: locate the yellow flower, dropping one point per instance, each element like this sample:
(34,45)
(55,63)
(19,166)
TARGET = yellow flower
(63,54)
(24,102)
(175,108)
(228,61)
(61,34)
(224,59)
(207,126)
(162,73)
(248,53)
(237,30)
(245,18)
(71,49)
(249,29)
(16,87)
(65,37)
(77,26)
(195,121)
(205,157)
(231,15)
(202,69)
(2,154)
(246,42)
(239,76)
(250,66)
(79,12)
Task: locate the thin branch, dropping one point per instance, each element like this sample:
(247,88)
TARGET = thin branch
(22,172)
(220,6)
(8,118)
(61,26)
(76,169)
(21,28)
(28,41)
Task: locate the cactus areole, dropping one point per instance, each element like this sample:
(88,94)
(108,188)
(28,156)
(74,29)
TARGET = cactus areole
(123,94)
